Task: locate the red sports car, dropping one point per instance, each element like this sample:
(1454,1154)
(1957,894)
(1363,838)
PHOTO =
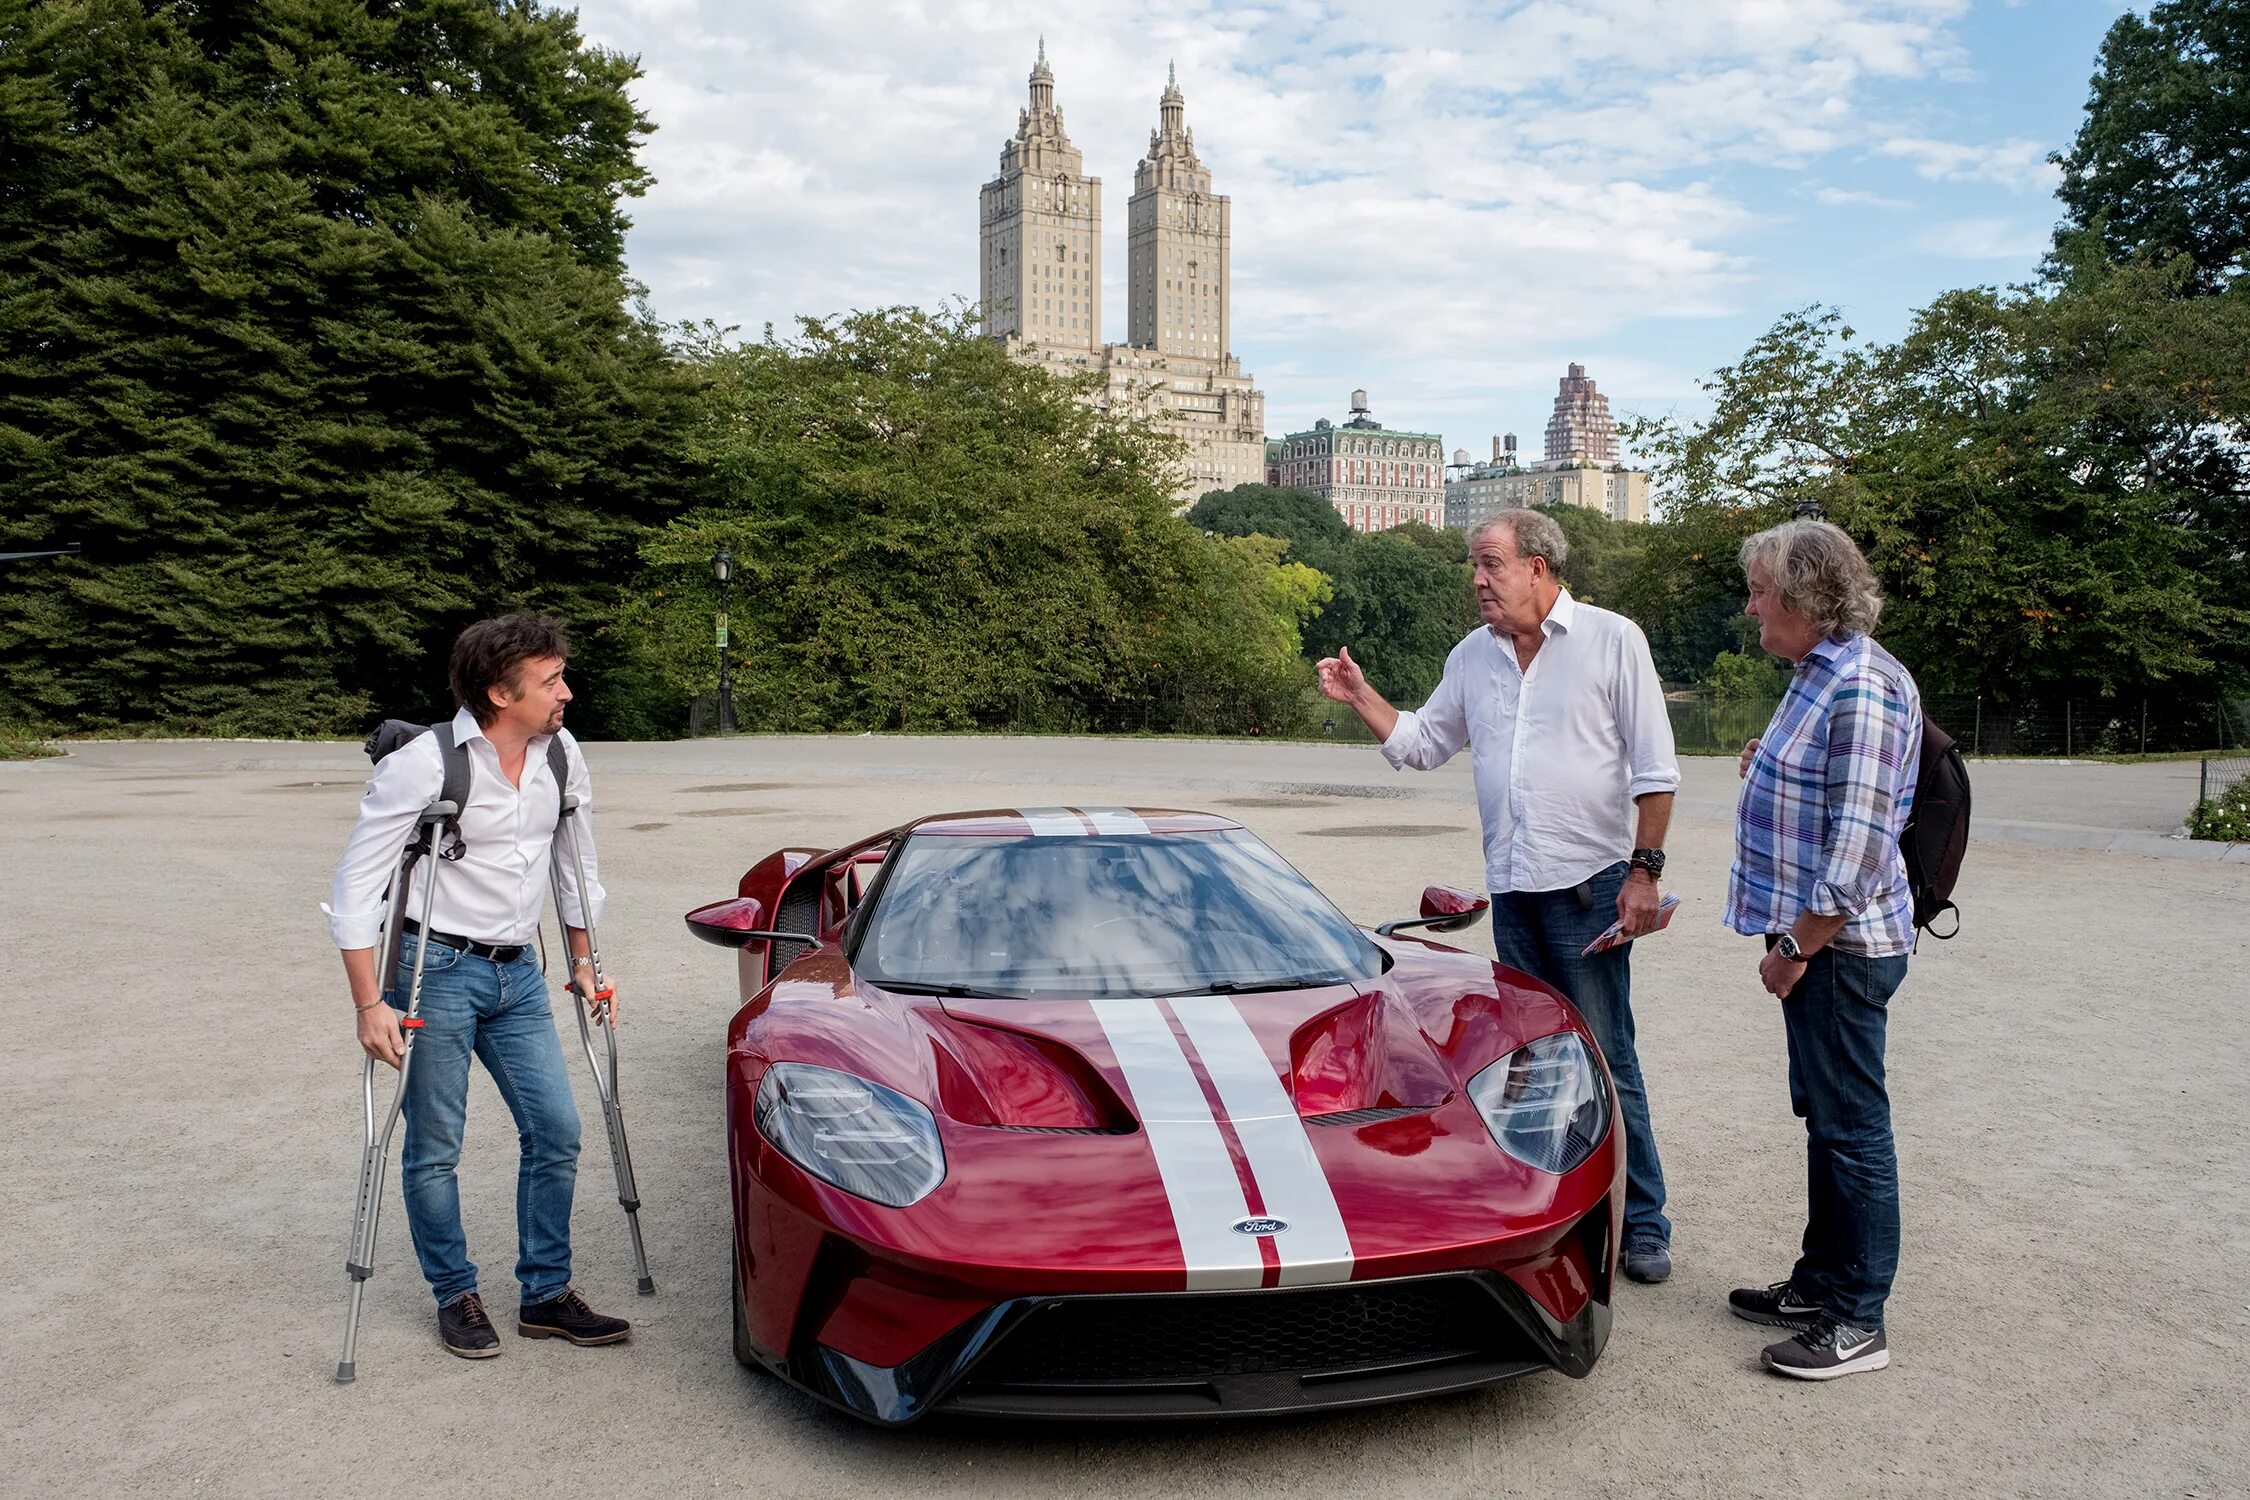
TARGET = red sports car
(1071,1112)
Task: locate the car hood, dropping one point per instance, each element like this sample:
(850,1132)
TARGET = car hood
(1283,1138)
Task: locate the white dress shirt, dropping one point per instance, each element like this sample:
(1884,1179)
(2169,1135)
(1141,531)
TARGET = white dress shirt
(494,893)
(1559,752)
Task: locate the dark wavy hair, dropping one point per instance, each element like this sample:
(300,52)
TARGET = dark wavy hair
(491,654)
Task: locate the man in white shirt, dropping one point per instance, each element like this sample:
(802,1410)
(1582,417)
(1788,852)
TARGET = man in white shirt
(483,992)
(1563,713)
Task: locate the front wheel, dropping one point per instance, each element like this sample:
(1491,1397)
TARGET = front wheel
(744,1354)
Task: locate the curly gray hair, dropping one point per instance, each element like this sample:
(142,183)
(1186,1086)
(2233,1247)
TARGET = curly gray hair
(1819,572)
(1535,534)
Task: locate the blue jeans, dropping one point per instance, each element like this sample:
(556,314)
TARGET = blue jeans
(1835,1018)
(500,1013)
(1541,933)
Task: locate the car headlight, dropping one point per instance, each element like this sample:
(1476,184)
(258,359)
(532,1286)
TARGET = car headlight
(868,1140)
(1546,1103)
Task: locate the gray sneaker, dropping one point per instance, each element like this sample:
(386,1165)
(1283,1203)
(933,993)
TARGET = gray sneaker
(1778,1306)
(1828,1349)
(1648,1261)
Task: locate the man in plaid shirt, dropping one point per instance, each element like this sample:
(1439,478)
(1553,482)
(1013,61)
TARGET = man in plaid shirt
(1818,874)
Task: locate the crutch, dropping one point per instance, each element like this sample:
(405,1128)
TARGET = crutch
(605,1079)
(376,1156)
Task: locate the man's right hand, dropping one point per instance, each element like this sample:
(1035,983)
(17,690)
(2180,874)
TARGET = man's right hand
(1742,761)
(1340,676)
(380,1035)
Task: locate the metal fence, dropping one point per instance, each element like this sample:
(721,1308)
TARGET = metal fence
(1985,726)
(2221,772)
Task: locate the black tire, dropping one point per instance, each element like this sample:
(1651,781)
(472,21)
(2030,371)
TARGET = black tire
(743,1352)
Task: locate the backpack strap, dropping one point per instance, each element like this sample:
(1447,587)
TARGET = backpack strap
(558,761)
(455,786)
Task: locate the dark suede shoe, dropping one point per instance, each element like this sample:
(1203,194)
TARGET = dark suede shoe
(1647,1261)
(568,1317)
(464,1329)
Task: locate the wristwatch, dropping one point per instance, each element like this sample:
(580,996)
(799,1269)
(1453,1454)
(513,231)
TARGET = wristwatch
(1786,946)
(1651,860)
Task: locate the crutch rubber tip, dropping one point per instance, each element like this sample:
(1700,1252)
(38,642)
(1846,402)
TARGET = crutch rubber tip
(648,1287)
(346,1374)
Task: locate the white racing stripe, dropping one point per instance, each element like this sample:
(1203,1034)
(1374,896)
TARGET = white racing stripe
(1191,1156)
(1053,822)
(1114,820)
(1316,1247)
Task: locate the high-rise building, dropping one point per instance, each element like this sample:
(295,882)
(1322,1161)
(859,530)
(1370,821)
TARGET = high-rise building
(1041,280)
(1476,492)
(1042,232)
(1177,239)
(1376,477)
(1581,426)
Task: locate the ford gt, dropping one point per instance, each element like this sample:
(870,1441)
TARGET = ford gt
(1087,1111)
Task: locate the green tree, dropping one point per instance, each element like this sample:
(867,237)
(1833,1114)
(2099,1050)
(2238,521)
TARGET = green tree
(930,535)
(2043,481)
(1313,528)
(317,338)
(1604,553)
(2159,166)
(1402,604)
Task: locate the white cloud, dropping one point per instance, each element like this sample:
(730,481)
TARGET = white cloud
(1985,239)
(1417,204)
(2017,164)
(1835,197)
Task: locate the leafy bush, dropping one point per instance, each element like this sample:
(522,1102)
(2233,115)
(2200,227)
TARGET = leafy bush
(2225,818)
(1743,677)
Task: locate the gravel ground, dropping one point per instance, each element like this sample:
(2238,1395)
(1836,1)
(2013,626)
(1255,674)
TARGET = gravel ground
(2068,1076)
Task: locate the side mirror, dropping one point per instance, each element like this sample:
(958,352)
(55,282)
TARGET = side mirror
(1444,909)
(737,923)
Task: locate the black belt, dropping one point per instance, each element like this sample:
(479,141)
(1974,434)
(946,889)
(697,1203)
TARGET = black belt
(499,953)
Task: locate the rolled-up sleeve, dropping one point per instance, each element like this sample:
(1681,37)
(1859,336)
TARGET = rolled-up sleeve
(402,785)
(579,825)
(1867,744)
(1643,721)
(1427,738)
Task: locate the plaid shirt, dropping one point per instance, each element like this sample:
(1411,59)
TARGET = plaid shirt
(1816,828)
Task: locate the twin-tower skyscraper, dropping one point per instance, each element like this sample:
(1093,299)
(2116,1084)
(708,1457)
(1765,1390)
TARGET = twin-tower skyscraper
(1040,282)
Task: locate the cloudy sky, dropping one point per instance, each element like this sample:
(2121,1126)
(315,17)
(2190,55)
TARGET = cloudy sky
(1444,203)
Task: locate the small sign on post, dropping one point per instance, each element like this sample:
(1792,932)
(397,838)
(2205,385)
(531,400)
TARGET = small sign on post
(722,631)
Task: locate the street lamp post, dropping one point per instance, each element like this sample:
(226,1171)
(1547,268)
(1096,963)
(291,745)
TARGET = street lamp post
(722,568)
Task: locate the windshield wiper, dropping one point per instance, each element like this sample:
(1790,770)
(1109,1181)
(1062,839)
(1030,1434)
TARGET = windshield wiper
(1252,986)
(950,991)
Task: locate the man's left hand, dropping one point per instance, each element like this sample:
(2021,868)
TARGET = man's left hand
(1637,903)
(1779,975)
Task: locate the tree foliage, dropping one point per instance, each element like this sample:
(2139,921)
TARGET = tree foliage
(930,535)
(2159,167)
(2049,482)
(1315,530)
(316,336)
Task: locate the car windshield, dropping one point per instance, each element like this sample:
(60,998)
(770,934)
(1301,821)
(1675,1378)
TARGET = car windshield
(1103,915)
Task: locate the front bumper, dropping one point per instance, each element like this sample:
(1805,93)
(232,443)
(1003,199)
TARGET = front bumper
(1231,1353)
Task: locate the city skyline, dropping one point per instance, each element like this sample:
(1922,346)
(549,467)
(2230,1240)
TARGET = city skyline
(1451,207)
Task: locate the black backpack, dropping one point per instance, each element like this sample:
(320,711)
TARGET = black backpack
(1936,836)
(392,733)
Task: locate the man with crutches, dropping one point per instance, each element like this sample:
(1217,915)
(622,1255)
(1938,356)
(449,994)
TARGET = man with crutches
(467,963)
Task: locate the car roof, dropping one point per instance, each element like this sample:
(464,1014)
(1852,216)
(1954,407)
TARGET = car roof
(1069,822)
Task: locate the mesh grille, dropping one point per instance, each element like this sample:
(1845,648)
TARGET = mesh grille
(1373,1114)
(800,912)
(1299,1330)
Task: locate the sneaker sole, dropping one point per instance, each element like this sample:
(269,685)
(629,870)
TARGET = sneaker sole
(534,1331)
(1880,1359)
(1775,1320)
